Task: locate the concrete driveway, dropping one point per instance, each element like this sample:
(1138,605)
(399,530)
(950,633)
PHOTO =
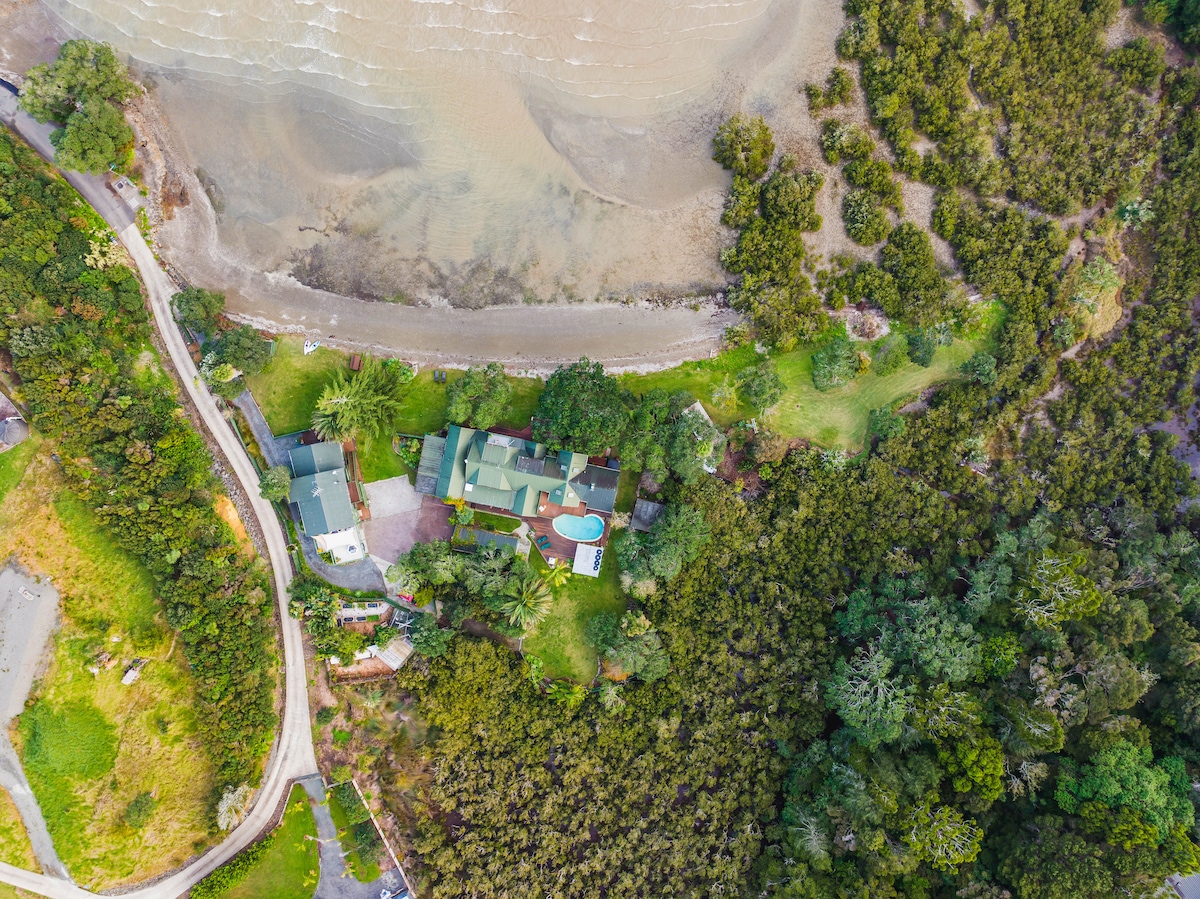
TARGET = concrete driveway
(415,519)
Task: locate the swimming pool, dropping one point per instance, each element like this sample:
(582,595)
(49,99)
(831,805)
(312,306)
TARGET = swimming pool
(580,528)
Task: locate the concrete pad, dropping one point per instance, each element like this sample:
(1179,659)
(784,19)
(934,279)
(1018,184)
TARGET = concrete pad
(392,536)
(392,496)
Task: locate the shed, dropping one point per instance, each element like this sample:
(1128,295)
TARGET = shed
(645,513)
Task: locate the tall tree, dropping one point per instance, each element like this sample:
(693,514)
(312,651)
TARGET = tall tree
(83,70)
(480,397)
(364,403)
(582,409)
(81,90)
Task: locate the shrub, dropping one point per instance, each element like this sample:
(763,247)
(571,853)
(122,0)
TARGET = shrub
(1139,63)
(834,364)
(845,141)
(228,876)
(744,145)
(892,354)
(741,205)
(864,218)
(875,175)
(924,296)
(275,484)
(760,385)
(347,798)
(921,346)
(137,814)
(839,87)
(788,198)
(326,714)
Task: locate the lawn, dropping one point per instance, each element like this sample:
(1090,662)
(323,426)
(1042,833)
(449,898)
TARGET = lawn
(834,418)
(364,870)
(288,388)
(559,639)
(89,744)
(627,489)
(838,417)
(14,462)
(699,379)
(497,524)
(290,868)
(378,461)
(14,844)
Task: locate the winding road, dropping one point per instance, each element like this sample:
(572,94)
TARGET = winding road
(293,756)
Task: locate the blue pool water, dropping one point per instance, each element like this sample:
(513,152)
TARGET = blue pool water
(581,529)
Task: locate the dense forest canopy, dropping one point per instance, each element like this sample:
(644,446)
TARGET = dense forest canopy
(964,663)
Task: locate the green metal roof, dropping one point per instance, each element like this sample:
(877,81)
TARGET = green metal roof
(324,502)
(433,450)
(508,472)
(308,460)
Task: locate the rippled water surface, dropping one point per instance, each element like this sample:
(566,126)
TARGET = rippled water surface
(485,147)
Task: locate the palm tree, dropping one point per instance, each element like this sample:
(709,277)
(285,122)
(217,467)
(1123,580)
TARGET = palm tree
(530,601)
(558,575)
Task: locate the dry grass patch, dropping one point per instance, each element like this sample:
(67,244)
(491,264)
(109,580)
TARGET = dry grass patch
(14,843)
(124,740)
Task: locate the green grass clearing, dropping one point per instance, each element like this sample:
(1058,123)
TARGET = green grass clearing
(627,489)
(91,745)
(14,462)
(838,417)
(365,869)
(699,379)
(14,842)
(288,388)
(499,524)
(378,461)
(290,868)
(559,639)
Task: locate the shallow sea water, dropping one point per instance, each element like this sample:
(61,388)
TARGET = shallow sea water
(469,151)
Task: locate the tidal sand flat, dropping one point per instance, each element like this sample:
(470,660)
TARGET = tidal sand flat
(455,150)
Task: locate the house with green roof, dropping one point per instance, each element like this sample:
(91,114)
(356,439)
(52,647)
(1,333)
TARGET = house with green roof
(320,499)
(514,474)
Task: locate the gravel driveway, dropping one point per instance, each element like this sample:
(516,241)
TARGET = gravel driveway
(26,625)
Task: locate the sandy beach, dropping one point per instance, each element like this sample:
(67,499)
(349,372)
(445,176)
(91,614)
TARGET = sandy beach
(649,249)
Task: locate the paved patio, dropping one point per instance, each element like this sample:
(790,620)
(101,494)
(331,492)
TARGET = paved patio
(391,536)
